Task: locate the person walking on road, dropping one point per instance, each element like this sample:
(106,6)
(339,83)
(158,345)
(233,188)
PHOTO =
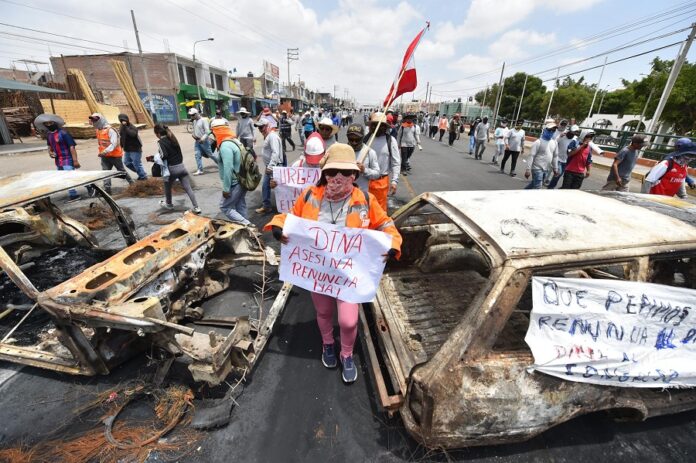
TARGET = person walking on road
(500,135)
(132,147)
(336,200)
(514,146)
(579,162)
(245,130)
(272,155)
(433,125)
(388,157)
(233,201)
(482,138)
(565,141)
(472,135)
(369,166)
(172,161)
(407,138)
(286,130)
(110,151)
(624,162)
(668,177)
(542,156)
(453,128)
(336,120)
(201,145)
(63,149)
(443,125)
(308,125)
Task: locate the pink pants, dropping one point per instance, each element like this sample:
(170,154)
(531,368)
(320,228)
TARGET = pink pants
(347,321)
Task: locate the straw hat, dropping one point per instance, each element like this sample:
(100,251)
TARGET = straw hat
(340,156)
(328,122)
(378,117)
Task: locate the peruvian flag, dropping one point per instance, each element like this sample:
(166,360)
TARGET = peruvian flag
(406,80)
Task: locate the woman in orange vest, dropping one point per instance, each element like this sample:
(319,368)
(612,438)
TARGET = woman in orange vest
(110,151)
(337,199)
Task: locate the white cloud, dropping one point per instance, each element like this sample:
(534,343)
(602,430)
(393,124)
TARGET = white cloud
(517,43)
(429,50)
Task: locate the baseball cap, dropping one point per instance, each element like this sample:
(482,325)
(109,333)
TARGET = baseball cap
(192,111)
(314,148)
(550,124)
(355,129)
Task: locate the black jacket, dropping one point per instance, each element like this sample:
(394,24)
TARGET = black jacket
(286,126)
(171,151)
(130,141)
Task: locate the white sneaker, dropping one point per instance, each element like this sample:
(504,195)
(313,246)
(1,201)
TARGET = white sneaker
(197,210)
(163,204)
(198,172)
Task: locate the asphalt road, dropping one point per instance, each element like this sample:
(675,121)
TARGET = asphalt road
(293,409)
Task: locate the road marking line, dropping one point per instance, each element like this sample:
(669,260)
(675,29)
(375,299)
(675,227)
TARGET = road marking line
(410,188)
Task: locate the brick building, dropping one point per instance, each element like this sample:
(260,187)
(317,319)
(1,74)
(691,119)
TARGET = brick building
(173,81)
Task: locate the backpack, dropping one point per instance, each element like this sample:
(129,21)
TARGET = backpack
(249,176)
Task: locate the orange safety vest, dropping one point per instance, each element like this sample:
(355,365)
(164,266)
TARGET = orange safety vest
(223,133)
(363,212)
(104,142)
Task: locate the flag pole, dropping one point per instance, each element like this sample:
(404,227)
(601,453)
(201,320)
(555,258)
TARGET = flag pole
(391,98)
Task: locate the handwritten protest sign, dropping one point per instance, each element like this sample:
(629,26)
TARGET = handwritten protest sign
(615,333)
(342,262)
(292,181)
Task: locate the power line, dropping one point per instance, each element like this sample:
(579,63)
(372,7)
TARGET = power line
(609,33)
(616,61)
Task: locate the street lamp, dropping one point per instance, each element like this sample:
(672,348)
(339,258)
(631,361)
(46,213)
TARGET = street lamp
(198,87)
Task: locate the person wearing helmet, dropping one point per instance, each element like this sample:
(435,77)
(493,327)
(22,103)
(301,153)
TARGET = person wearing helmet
(201,132)
(668,177)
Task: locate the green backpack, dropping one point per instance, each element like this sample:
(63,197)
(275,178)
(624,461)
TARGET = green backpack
(249,175)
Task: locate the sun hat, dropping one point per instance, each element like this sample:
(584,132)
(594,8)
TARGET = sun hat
(243,110)
(550,124)
(192,111)
(340,156)
(378,117)
(328,122)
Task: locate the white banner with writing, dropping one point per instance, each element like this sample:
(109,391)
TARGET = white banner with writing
(613,332)
(292,181)
(341,262)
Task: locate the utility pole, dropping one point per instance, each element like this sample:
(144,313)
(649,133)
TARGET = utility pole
(142,64)
(645,108)
(427,88)
(676,68)
(601,102)
(594,98)
(499,96)
(483,102)
(293,55)
(519,108)
(555,84)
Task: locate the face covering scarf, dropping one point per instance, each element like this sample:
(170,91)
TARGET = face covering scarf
(547,134)
(338,187)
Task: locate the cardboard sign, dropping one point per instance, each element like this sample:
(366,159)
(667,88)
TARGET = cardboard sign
(613,332)
(341,262)
(292,181)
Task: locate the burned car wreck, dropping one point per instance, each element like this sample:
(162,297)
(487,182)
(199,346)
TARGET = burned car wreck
(147,296)
(445,332)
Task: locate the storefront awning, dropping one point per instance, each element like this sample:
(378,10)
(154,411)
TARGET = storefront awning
(7,84)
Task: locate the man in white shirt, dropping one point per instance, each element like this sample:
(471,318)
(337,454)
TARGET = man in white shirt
(481,136)
(564,141)
(500,134)
(542,156)
(388,157)
(514,146)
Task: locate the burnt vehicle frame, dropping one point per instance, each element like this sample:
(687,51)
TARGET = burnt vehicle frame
(146,295)
(445,332)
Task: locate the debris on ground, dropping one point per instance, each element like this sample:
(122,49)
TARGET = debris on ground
(152,186)
(96,215)
(165,433)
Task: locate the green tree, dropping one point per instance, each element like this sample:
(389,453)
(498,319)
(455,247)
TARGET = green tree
(572,99)
(512,90)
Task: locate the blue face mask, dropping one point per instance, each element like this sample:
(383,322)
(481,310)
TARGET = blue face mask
(547,134)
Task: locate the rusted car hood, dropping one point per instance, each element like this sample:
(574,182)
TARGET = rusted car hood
(21,188)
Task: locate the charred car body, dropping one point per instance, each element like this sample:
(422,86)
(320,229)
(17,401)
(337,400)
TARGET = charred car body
(146,296)
(446,330)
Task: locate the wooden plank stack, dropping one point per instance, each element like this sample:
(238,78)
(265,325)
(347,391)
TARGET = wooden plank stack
(136,104)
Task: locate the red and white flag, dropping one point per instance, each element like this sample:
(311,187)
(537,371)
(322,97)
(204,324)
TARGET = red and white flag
(406,80)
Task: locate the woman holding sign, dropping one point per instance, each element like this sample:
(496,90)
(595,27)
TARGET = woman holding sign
(336,199)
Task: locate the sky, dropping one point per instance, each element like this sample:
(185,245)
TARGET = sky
(354,47)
